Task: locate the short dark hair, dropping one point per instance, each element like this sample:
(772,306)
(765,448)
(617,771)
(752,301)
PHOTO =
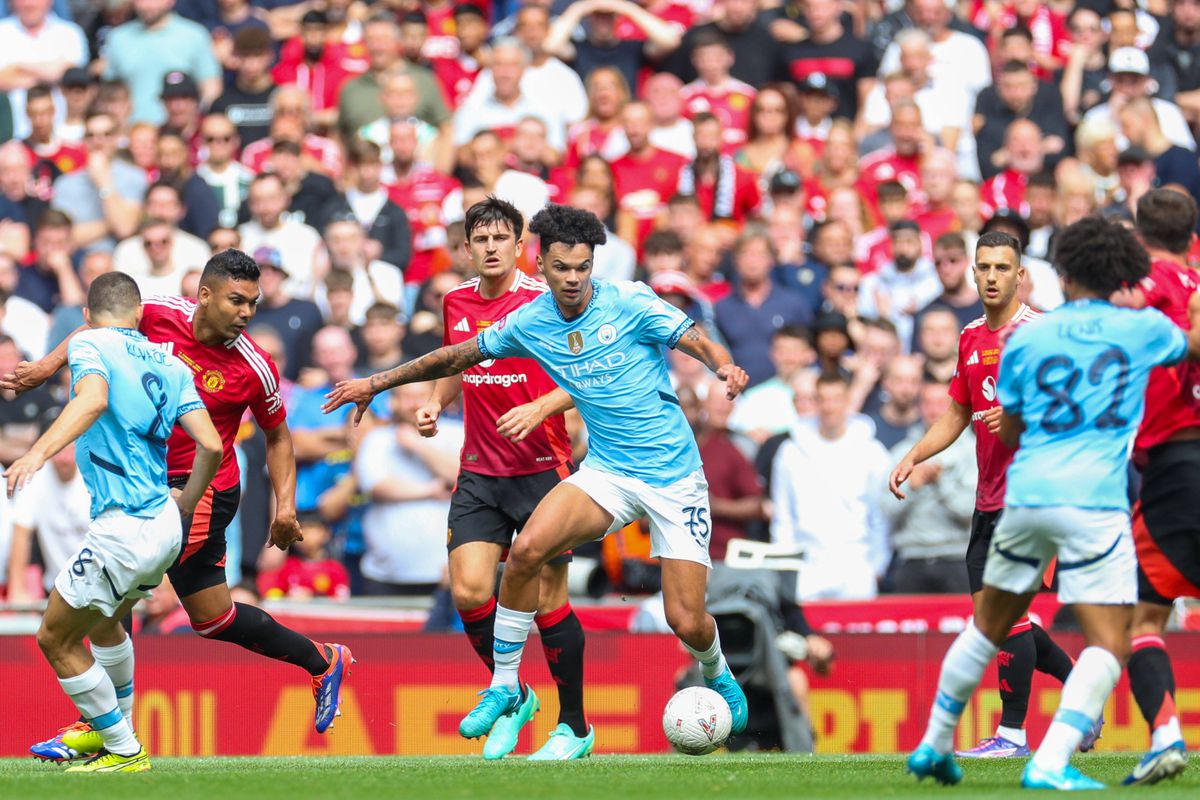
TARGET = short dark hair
(1042,180)
(1101,255)
(382,311)
(286,146)
(703,117)
(708,37)
(793,332)
(229,264)
(41,91)
(164,184)
(360,151)
(903,225)
(53,218)
(1017,31)
(831,378)
(891,190)
(113,293)
(1166,219)
(570,226)
(662,242)
(999,239)
(494,211)
(951,241)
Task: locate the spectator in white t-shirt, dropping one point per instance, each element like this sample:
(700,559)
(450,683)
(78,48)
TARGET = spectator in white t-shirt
(407,480)
(36,47)
(271,226)
(374,281)
(55,507)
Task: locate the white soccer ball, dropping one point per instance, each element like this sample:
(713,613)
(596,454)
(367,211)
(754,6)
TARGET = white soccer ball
(696,721)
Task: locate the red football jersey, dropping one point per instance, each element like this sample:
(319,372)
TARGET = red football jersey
(1168,287)
(643,186)
(974,386)
(729,103)
(229,379)
(492,388)
(888,165)
(421,194)
(1006,190)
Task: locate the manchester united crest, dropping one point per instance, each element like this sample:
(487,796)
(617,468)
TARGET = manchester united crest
(213,381)
(575,342)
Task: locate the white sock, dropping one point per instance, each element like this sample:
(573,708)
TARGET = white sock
(118,663)
(1014,735)
(511,631)
(962,669)
(1090,683)
(1166,734)
(712,660)
(93,694)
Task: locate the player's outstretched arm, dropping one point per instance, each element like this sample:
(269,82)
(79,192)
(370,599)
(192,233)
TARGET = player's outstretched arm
(940,435)
(695,343)
(281,470)
(89,402)
(198,425)
(32,374)
(441,363)
(520,421)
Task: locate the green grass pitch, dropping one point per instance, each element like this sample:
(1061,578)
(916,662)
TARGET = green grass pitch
(602,777)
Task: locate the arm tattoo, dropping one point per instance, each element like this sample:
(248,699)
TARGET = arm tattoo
(441,363)
(692,334)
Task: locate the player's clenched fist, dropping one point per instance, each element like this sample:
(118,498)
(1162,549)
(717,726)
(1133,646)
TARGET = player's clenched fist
(735,379)
(356,391)
(427,419)
(898,477)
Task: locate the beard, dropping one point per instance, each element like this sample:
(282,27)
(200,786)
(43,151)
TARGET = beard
(904,263)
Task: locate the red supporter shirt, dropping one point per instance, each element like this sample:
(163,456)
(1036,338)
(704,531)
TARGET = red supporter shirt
(746,195)
(644,185)
(322,80)
(298,576)
(321,150)
(1168,287)
(888,165)
(974,386)
(589,138)
(493,387)
(729,103)
(420,194)
(1006,190)
(678,15)
(65,156)
(457,76)
(229,379)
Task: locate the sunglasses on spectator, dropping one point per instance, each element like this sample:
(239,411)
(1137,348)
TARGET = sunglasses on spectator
(222,137)
(95,134)
(156,242)
(845,287)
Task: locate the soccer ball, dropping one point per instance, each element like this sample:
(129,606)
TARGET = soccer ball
(696,721)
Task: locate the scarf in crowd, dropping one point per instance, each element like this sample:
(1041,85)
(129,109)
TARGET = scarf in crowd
(723,192)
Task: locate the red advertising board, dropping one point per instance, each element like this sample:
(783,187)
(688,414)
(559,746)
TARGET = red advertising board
(408,692)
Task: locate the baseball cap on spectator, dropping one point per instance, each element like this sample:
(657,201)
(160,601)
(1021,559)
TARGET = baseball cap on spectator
(1129,59)
(785,182)
(76,78)
(179,84)
(819,83)
(269,257)
(469,9)
(314,17)
(831,321)
(671,281)
(1133,155)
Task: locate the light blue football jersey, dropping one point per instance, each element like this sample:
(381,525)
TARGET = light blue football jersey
(610,360)
(123,456)
(1077,376)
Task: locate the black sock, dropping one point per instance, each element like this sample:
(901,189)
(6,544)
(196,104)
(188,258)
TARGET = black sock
(562,640)
(479,624)
(255,630)
(1015,663)
(1051,659)
(1152,680)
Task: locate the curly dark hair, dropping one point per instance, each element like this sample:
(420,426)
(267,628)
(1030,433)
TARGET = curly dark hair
(568,225)
(1100,255)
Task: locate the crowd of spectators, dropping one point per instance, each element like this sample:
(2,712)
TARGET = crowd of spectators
(805,178)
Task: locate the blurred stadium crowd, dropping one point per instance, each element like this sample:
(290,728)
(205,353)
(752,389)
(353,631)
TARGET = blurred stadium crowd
(806,179)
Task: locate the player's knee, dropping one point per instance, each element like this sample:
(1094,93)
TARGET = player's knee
(471,592)
(51,642)
(527,556)
(688,624)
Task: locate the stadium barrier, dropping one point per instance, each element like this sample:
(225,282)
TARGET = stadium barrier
(408,692)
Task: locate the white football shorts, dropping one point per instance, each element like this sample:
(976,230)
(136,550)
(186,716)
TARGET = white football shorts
(1097,563)
(121,557)
(680,523)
